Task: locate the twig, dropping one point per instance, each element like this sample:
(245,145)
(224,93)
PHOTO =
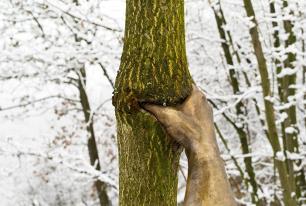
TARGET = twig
(106,75)
(37,22)
(85,20)
(35,101)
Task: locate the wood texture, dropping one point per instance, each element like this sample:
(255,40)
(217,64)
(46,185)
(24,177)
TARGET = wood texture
(153,69)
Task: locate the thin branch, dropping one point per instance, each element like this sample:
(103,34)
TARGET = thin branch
(181,170)
(229,152)
(85,20)
(106,75)
(35,101)
(37,22)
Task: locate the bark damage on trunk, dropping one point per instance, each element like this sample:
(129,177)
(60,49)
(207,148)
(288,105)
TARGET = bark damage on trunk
(153,69)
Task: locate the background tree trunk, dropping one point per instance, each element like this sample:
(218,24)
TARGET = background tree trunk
(241,131)
(285,175)
(153,69)
(291,138)
(91,143)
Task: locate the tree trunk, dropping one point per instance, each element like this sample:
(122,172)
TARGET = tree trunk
(292,144)
(241,131)
(278,64)
(286,178)
(153,69)
(91,144)
(285,90)
(304,79)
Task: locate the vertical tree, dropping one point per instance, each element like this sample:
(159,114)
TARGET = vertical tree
(153,69)
(286,91)
(91,142)
(304,73)
(286,176)
(241,131)
(289,83)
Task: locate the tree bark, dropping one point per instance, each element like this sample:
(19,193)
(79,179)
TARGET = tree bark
(91,143)
(291,143)
(153,69)
(286,90)
(286,178)
(241,131)
(304,78)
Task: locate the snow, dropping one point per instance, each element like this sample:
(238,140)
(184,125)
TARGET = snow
(287,72)
(280,156)
(290,130)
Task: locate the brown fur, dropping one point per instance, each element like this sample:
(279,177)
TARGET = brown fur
(191,124)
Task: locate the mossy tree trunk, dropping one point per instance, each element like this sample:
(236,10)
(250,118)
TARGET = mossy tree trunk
(153,69)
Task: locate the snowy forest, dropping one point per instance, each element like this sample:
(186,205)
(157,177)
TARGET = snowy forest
(60,85)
